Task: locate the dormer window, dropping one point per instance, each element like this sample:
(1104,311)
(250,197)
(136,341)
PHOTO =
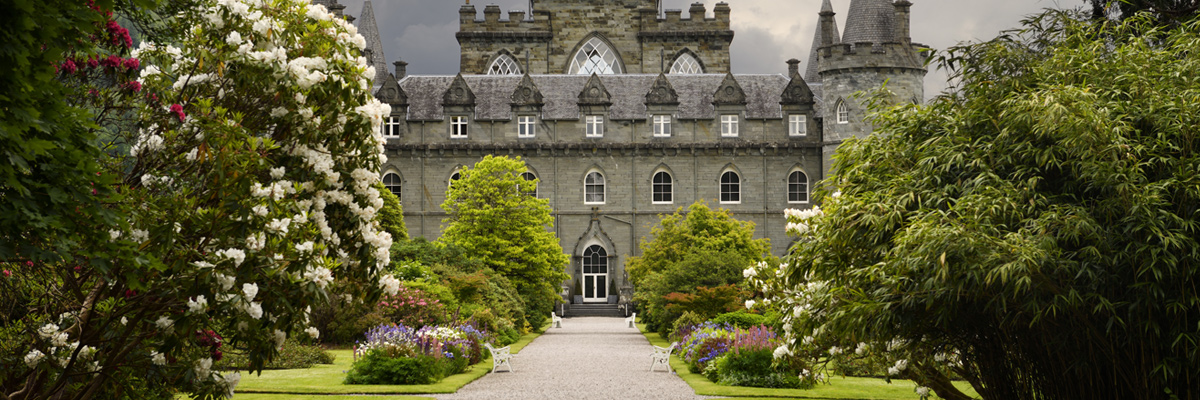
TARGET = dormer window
(729,125)
(391,127)
(797,125)
(458,127)
(594,125)
(526,126)
(662,125)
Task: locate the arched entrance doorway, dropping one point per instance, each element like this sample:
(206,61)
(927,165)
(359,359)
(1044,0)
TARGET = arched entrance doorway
(595,274)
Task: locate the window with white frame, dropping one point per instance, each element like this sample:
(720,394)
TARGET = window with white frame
(595,126)
(686,64)
(391,127)
(392,182)
(529,177)
(593,188)
(526,126)
(458,127)
(504,64)
(662,188)
(843,113)
(729,125)
(731,187)
(662,125)
(595,57)
(797,187)
(798,125)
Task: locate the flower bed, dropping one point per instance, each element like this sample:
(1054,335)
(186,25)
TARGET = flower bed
(400,355)
(735,356)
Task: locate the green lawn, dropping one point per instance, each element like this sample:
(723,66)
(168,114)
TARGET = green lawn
(327,379)
(838,387)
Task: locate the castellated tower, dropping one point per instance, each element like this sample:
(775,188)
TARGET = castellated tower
(631,36)
(874,49)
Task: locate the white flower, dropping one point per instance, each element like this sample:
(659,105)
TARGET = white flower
(893,371)
(191,155)
(254,310)
(203,368)
(48,331)
(203,264)
(33,358)
(225,281)
(260,210)
(114,234)
(124,321)
(862,348)
(313,332)
(236,255)
(901,365)
(139,235)
(59,339)
(318,12)
(922,391)
(306,247)
(256,242)
(280,337)
(749,304)
(250,290)
(197,304)
(234,39)
(320,276)
(389,284)
(164,323)
(300,98)
(833,351)
(279,225)
(278,112)
(749,273)
(278,172)
(781,351)
(939,357)
(87,352)
(231,381)
(158,358)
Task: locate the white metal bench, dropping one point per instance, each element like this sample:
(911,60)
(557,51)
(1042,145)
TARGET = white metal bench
(555,320)
(631,320)
(662,356)
(500,356)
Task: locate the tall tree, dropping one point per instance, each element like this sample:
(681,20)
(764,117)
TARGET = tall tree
(1168,12)
(1039,225)
(494,217)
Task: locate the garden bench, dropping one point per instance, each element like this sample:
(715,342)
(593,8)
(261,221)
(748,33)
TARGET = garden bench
(631,319)
(662,355)
(500,356)
(555,320)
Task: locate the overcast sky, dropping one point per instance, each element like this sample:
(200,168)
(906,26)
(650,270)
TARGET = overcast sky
(766,32)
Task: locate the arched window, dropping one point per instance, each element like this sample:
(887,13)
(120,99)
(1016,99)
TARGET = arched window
(797,187)
(595,272)
(843,113)
(593,188)
(662,188)
(453,177)
(504,64)
(595,57)
(530,177)
(686,63)
(392,182)
(731,187)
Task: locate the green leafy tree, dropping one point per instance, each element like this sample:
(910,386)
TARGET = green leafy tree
(493,218)
(1034,233)
(391,215)
(699,247)
(164,204)
(1165,11)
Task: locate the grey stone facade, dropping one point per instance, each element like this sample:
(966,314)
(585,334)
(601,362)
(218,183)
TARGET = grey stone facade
(440,124)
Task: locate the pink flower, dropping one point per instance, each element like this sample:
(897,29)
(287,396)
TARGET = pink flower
(92,62)
(178,110)
(134,86)
(7,273)
(120,35)
(132,63)
(69,67)
(112,61)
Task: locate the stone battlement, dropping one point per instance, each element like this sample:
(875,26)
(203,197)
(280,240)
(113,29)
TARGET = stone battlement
(872,55)
(543,21)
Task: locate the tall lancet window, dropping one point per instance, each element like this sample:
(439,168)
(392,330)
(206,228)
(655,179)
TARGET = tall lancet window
(504,64)
(595,57)
(686,64)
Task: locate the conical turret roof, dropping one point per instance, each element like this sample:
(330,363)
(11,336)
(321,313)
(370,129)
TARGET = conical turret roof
(870,21)
(810,72)
(370,32)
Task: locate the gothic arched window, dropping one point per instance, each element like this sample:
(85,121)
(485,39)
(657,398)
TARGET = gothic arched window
(686,63)
(731,187)
(595,57)
(797,187)
(843,113)
(393,183)
(504,64)
(593,188)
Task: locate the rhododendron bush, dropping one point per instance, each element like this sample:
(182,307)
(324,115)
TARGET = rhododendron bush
(247,195)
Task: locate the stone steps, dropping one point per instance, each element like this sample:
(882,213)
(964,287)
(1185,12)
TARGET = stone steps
(594,310)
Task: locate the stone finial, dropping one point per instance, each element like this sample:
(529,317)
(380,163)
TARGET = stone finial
(793,67)
(796,92)
(391,92)
(459,93)
(729,92)
(594,93)
(811,72)
(697,12)
(527,93)
(662,93)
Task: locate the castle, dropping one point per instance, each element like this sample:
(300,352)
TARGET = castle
(624,112)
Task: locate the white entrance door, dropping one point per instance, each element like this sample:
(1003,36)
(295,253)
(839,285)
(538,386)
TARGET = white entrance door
(595,274)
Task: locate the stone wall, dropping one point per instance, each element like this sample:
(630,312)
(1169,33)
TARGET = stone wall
(849,69)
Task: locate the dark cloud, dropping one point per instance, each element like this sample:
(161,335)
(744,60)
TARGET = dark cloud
(769,32)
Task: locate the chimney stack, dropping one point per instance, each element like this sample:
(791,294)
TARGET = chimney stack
(697,12)
(903,13)
(828,32)
(793,67)
(401,69)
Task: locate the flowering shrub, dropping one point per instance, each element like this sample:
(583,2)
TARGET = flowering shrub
(412,307)
(415,356)
(247,195)
(736,356)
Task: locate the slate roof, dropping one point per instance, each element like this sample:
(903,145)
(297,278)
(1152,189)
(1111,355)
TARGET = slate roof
(561,95)
(370,32)
(810,72)
(870,21)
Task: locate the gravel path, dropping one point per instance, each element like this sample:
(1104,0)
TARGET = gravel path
(588,358)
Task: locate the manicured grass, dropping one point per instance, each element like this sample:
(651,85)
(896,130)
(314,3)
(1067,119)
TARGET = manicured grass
(327,379)
(265,396)
(838,387)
